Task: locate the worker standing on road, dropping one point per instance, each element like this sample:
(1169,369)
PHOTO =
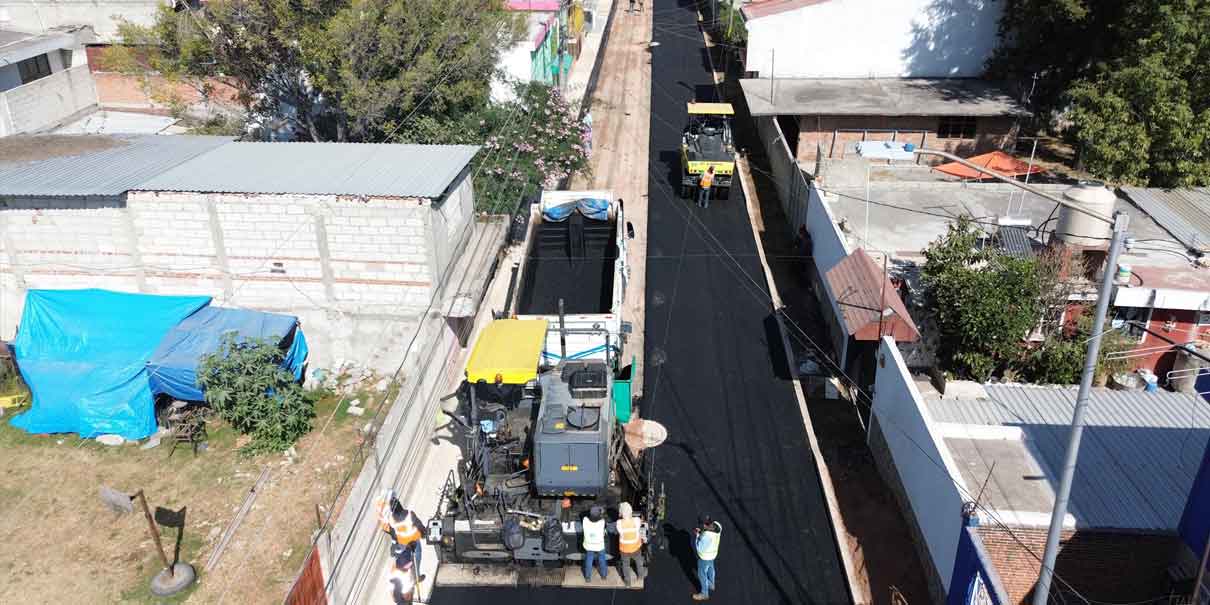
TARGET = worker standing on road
(704,183)
(403,526)
(706,539)
(594,543)
(630,542)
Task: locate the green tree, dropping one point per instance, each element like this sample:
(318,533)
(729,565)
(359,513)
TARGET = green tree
(1133,79)
(245,383)
(983,303)
(529,143)
(336,70)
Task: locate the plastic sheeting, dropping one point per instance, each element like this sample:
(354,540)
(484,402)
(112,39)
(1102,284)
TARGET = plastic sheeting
(594,208)
(84,355)
(173,366)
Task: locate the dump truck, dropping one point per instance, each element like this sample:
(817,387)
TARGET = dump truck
(541,445)
(574,275)
(706,142)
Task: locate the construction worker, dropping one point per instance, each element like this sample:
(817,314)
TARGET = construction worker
(630,542)
(403,526)
(706,538)
(594,543)
(704,183)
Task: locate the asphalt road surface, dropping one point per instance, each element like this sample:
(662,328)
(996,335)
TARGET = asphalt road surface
(715,377)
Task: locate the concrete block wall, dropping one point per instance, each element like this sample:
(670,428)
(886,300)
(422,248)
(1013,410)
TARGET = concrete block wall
(1102,565)
(358,272)
(47,101)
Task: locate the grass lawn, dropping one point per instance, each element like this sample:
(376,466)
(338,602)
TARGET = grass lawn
(61,543)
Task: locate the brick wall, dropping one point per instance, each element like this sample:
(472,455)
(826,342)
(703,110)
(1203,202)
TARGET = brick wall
(358,273)
(1101,565)
(991,133)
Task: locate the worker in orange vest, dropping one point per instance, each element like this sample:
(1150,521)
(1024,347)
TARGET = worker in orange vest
(704,183)
(403,526)
(630,542)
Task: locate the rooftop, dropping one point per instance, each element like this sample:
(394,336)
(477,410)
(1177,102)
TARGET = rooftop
(413,171)
(1138,459)
(18,46)
(764,8)
(905,217)
(862,292)
(1183,212)
(878,97)
(91,165)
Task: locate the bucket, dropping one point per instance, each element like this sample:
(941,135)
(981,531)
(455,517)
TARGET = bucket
(1123,274)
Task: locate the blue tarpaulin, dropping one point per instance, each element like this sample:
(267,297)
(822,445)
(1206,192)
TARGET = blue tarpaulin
(596,209)
(173,366)
(84,355)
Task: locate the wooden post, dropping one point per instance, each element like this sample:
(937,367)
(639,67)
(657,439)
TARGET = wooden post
(155,531)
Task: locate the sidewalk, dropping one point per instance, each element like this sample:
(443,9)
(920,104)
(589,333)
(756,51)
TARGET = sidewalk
(581,70)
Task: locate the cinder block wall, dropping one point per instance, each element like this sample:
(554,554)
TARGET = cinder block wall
(358,272)
(1101,565)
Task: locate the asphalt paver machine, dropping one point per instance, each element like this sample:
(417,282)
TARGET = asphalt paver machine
(542,445)
(706,142)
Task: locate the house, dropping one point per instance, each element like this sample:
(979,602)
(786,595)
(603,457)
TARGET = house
(365,243)
(43,79)
(980,464)
(834,73)
(555,37)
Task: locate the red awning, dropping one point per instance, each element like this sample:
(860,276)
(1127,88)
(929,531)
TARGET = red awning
(869,305)
(996,160)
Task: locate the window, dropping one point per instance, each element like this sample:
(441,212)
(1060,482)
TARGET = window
(956,127)
(1131,321)
(33,68)
(1203,318)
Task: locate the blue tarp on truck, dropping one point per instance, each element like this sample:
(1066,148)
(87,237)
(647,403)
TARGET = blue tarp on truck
(173,366)
(94,360)
(84,355)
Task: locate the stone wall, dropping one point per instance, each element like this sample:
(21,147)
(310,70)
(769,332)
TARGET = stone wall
(358,272)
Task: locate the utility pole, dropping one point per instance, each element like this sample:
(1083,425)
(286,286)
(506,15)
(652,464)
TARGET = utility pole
(1042,590)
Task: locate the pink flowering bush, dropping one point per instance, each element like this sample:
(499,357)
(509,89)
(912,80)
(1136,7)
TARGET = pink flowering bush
(528,144)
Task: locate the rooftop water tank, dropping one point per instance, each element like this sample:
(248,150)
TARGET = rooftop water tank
(1078,229)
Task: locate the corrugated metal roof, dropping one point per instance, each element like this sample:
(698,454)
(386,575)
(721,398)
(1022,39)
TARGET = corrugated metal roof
(1185,213)
(861,292)
(1138,457)
(92,165)
(423,171)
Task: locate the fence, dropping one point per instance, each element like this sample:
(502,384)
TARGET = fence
(46,101)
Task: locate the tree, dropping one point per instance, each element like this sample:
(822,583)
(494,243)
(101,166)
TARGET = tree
(1133,79)
(333,70)
(529,143)
(246,384)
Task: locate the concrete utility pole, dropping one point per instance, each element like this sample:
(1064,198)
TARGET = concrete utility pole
(1119,222)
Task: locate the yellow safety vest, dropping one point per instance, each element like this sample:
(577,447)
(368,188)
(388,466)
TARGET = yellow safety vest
(707,180)
(629,539)
(594,535)
(707,543)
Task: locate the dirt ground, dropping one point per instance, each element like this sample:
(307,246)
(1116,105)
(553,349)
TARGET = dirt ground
(62,545)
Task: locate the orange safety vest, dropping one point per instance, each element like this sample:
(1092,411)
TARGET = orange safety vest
(629,539)
(405,531)
(707,180)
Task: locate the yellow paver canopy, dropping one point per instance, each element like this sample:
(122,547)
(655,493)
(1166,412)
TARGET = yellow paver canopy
(510,348)
(711,109)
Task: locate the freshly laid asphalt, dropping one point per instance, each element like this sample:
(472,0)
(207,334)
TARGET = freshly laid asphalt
(716,378)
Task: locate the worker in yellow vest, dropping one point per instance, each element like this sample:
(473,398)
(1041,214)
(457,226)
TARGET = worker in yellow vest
(593,528)
(403,526)
(704,183)
(630,542)
(706,539)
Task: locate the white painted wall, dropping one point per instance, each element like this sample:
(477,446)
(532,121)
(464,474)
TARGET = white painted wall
(357,273)
(875,38)
(515,64)
(102,15)
(925,467)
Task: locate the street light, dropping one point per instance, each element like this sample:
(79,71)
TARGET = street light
(901,151)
